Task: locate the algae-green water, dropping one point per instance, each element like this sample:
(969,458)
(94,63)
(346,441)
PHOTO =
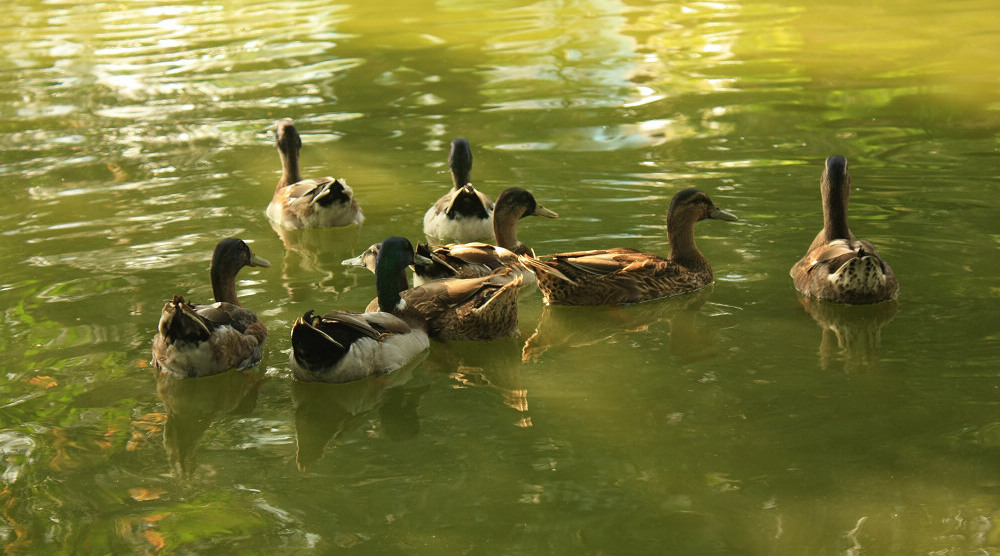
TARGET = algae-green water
(738,420)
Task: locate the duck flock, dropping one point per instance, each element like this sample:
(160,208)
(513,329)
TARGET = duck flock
(465,289)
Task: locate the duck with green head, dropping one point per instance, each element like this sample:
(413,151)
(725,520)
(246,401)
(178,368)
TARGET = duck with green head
(481,308)
(343,346)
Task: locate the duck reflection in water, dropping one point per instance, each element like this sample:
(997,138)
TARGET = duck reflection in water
(852,334)
(307,252)
(327,411)
(562,328)
(495,365)
(193,405)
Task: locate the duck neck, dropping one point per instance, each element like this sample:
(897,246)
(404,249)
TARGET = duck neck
(505,231)
(389,284)
(289,169)
(460,177)
(682,247)
(835,216)
(224,287)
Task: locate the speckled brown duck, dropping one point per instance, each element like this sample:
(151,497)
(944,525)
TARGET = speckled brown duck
(620,275)
(838,267)
(199,340)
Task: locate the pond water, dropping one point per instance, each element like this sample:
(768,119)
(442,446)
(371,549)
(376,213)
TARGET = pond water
(737,420)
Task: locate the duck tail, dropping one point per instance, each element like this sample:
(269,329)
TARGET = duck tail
(179,321)
(537,266)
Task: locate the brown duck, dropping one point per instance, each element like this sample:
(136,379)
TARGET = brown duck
(621,275)
(470,260)
(200,340)
(839,267)
(482,308)
(308,203)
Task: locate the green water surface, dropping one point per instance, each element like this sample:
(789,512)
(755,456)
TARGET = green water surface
(136,134)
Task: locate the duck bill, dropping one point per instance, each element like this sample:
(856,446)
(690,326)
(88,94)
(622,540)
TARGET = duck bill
(720,214)
(419,259)
(544,212)
(259,261)
(354,261)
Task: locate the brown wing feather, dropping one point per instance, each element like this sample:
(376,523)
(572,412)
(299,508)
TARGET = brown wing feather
(818,274)
(614,276)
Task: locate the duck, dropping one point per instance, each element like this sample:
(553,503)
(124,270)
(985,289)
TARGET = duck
(195,340)
(470,260)
(838,267)
(343,346)
(481,308)
(308,203)
(620,276)
(464,214)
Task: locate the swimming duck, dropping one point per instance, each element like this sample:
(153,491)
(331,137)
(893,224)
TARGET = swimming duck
(464,214)
(308,203)
(201,340)
(468,260)
(342,346)
(621,275)
(481,308)
(839,267)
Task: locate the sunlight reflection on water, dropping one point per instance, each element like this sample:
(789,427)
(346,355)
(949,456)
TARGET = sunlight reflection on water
(138,134)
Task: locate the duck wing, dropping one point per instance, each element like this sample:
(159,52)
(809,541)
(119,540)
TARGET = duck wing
(323,202)
(463,214)
(200,340)
(604,261)
(462,260)
(341,346)
(467,309)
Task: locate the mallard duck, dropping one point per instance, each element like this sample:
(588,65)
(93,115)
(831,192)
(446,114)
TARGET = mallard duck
(308,203)
(341,346)
(469,260)
(839,267)
(200,340)
(620,275)
(480,308)
(464,214)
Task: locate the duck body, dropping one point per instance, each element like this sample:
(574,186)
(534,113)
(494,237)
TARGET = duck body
(461,260)
(838,267)
(477,308)
(616,276)
(308,203)
(620,276)
(481,308)
(205,339)
(343,347)
(475,259)
(464,213)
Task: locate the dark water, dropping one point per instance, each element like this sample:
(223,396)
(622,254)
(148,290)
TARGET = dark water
(734,421)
